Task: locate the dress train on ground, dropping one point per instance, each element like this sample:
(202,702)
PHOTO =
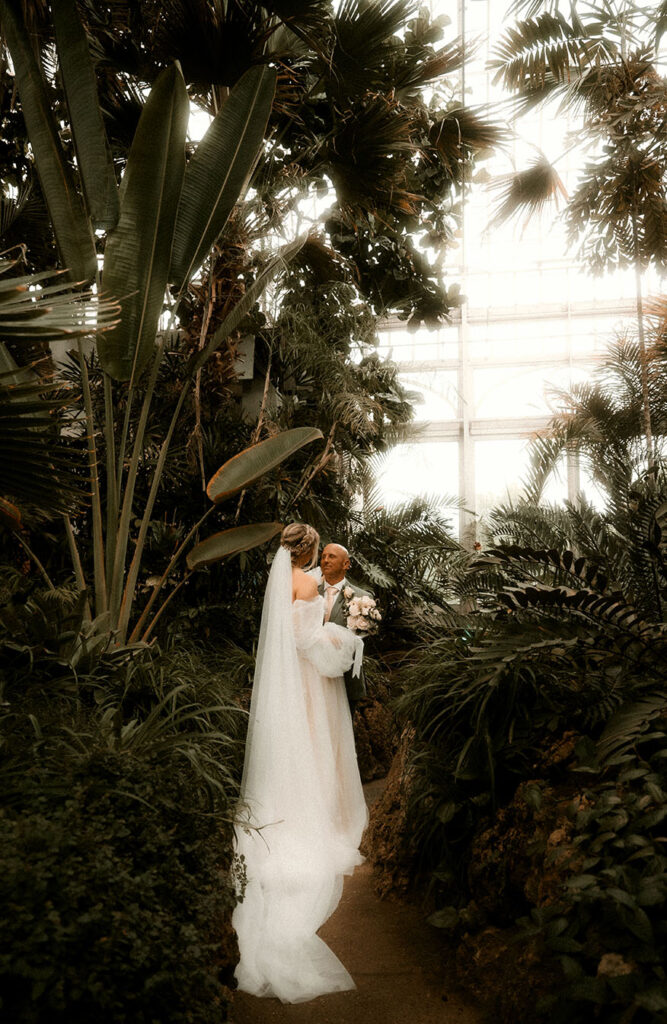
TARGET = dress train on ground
(303,804)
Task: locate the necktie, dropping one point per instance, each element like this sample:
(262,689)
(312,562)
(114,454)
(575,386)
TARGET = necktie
(332,594)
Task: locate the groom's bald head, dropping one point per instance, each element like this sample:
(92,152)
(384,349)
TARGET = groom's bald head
(335,562)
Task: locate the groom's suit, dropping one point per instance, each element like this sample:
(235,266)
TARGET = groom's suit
(354,685)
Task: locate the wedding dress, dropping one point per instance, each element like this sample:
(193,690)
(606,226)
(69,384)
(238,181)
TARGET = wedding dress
(304,804)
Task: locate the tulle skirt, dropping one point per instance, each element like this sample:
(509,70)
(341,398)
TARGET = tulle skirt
(296,851)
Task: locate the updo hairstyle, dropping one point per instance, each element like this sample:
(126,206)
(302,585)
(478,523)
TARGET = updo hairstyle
(300,538)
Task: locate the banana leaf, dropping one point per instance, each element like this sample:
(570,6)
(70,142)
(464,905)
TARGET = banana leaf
(138,250)
(219,170)
(231,542)
(68,217)
(93,153)
(250,464)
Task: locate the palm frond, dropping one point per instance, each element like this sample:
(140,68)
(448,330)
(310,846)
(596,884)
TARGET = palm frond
(38,466)
(624,730)
(34,309)
(464,131)
(365,41)
(543,54)
(660,21)
(528,191)
(618,214)
(214,43)
(433,65)
(537,53)
(367,156)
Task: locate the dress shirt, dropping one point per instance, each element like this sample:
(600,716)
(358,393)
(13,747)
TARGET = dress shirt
(331,592)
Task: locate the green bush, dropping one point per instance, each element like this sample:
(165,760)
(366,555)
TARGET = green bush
(116,894)
(552,690)
(118,768)
(608,930)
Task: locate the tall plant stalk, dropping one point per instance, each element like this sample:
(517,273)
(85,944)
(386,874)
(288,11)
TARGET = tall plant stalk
(111,478)
(76,563)
(101,603)
(641,335)
(136,632)
(123,529)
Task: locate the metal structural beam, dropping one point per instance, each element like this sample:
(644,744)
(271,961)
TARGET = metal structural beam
(526,313)
(514,428)
(541,358)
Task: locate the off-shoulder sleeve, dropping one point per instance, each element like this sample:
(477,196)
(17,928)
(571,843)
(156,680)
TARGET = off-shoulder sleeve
(330,648)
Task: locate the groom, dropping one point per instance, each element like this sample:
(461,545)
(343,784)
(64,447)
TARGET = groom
(334,563)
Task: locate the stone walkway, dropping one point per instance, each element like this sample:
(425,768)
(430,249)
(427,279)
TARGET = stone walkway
(394,957)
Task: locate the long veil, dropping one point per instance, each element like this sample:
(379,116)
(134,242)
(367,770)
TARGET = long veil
(294,857)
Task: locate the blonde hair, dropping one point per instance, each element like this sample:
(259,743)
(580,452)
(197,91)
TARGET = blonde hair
(299,538)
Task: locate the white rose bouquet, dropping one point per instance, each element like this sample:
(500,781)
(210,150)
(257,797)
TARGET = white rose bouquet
(362,613)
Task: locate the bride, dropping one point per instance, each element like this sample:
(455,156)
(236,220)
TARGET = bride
(304,804)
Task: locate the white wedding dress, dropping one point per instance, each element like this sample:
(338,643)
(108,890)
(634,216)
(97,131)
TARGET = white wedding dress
(302,804)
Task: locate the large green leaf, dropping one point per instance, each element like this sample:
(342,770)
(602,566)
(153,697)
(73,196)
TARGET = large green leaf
(10,515)
(90,141)
(219,170)
(70,223)
(230,542)
(250,464)
(138,250)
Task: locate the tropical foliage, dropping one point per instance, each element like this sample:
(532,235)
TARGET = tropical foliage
(600,63)
(120,89)
(535,780)
(121,761)
(158,201)
(119,772)
(537,785)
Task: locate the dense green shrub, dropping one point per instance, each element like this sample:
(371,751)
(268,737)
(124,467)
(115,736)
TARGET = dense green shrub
(566,650)
(608,928)
(116,894)
(119,769)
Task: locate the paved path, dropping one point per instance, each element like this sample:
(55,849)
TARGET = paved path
(394,957)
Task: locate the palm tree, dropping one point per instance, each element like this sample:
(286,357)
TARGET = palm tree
(601,422)
(602,65)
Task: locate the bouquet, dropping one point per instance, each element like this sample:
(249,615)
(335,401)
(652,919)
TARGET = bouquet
(362,613)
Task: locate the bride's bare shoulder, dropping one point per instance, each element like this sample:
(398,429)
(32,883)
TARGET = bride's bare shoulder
(304,587)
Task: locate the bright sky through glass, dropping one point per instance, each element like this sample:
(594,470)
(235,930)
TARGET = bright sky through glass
(536,320)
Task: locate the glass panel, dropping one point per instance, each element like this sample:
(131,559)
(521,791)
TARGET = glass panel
(424,345)
(438,394)
(529,391)
(428,468)
(500,468)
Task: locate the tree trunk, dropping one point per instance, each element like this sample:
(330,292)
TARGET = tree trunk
(646,407)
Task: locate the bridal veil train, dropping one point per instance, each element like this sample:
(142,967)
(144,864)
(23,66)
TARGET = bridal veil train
(303,804)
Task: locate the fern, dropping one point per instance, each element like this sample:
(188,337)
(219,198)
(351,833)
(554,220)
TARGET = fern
(624,730)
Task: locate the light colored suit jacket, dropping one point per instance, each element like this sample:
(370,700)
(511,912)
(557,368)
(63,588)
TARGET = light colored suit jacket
(355,685)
